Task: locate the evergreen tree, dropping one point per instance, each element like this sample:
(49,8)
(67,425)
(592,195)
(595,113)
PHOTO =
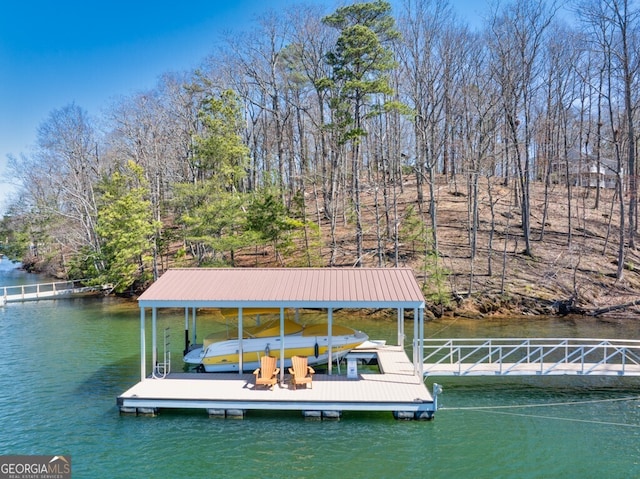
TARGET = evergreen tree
(212,209)
(220,154)
(268,217)
(214,222)
(360,62)
(125,228)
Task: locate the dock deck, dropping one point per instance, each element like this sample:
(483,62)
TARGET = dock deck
(395,388)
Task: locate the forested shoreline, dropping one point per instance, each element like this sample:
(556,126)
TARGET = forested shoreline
(498,162)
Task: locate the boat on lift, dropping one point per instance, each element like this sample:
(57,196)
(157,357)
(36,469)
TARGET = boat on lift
(220,354)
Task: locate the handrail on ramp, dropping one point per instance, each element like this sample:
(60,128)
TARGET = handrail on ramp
(531,356)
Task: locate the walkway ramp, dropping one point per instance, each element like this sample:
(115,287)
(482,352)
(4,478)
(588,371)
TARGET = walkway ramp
(55,290)
(531,356)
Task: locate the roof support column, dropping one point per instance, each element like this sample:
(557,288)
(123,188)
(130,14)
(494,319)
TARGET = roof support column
(416,343)
(154,340)
(186,331)
(143,343)
(281,345)
(329,337)
(401,327)
(240,341)
(193,321)
(421,346)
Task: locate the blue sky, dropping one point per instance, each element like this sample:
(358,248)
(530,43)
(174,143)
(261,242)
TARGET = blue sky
(53,53)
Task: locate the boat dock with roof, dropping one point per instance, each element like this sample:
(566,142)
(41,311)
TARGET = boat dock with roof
(397,387)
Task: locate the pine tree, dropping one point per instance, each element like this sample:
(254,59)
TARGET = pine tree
(125,227)
(360,62)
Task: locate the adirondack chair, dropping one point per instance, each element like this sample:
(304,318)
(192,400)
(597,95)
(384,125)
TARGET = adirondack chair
(267,373)
(301,373)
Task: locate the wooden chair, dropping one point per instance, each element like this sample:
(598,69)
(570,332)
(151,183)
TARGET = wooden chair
(267,373)
(301,373)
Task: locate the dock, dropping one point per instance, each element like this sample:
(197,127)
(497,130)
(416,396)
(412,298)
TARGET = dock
(396,388)
(53,290)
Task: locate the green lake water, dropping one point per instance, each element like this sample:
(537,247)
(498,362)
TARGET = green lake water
(64,362)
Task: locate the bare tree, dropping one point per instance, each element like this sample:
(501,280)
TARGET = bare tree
(68,161)
(479,109)
(613,26)
(422,23)
(557,137)
(517,36)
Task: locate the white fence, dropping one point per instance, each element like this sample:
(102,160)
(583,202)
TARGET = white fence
(531,356)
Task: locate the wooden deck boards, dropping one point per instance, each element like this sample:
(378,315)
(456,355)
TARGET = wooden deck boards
(396,388)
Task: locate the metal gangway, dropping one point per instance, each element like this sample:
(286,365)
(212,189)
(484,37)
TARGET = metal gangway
(55,290)
(531,356)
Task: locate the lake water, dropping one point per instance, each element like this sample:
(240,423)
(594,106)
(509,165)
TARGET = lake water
(63,362)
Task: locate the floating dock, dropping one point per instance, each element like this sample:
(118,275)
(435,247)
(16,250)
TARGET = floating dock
(396,388)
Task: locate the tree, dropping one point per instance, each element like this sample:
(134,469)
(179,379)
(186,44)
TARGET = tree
(360,62)
(211,209)
(268,217)
(311,41)
(479,108)
(614,31)
(517,38)
(214,222)
(125,228)
(255,61)
(427,28)
(65,172)
(220,153)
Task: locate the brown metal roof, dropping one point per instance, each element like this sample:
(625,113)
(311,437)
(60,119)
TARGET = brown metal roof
(285,287)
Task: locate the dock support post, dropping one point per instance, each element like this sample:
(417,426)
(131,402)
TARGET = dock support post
(437,390)
(143,352)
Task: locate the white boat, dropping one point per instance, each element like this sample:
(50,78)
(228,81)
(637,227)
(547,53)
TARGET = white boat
(312,341)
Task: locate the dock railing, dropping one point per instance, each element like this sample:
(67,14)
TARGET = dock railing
(26,292)
(531,356)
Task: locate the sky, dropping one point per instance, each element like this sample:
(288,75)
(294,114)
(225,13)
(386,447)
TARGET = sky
(54,53)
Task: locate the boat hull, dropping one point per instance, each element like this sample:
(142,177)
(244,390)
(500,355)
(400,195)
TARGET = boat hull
(223,356)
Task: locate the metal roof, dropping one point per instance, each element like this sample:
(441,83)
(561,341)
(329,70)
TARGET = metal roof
(285,287)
